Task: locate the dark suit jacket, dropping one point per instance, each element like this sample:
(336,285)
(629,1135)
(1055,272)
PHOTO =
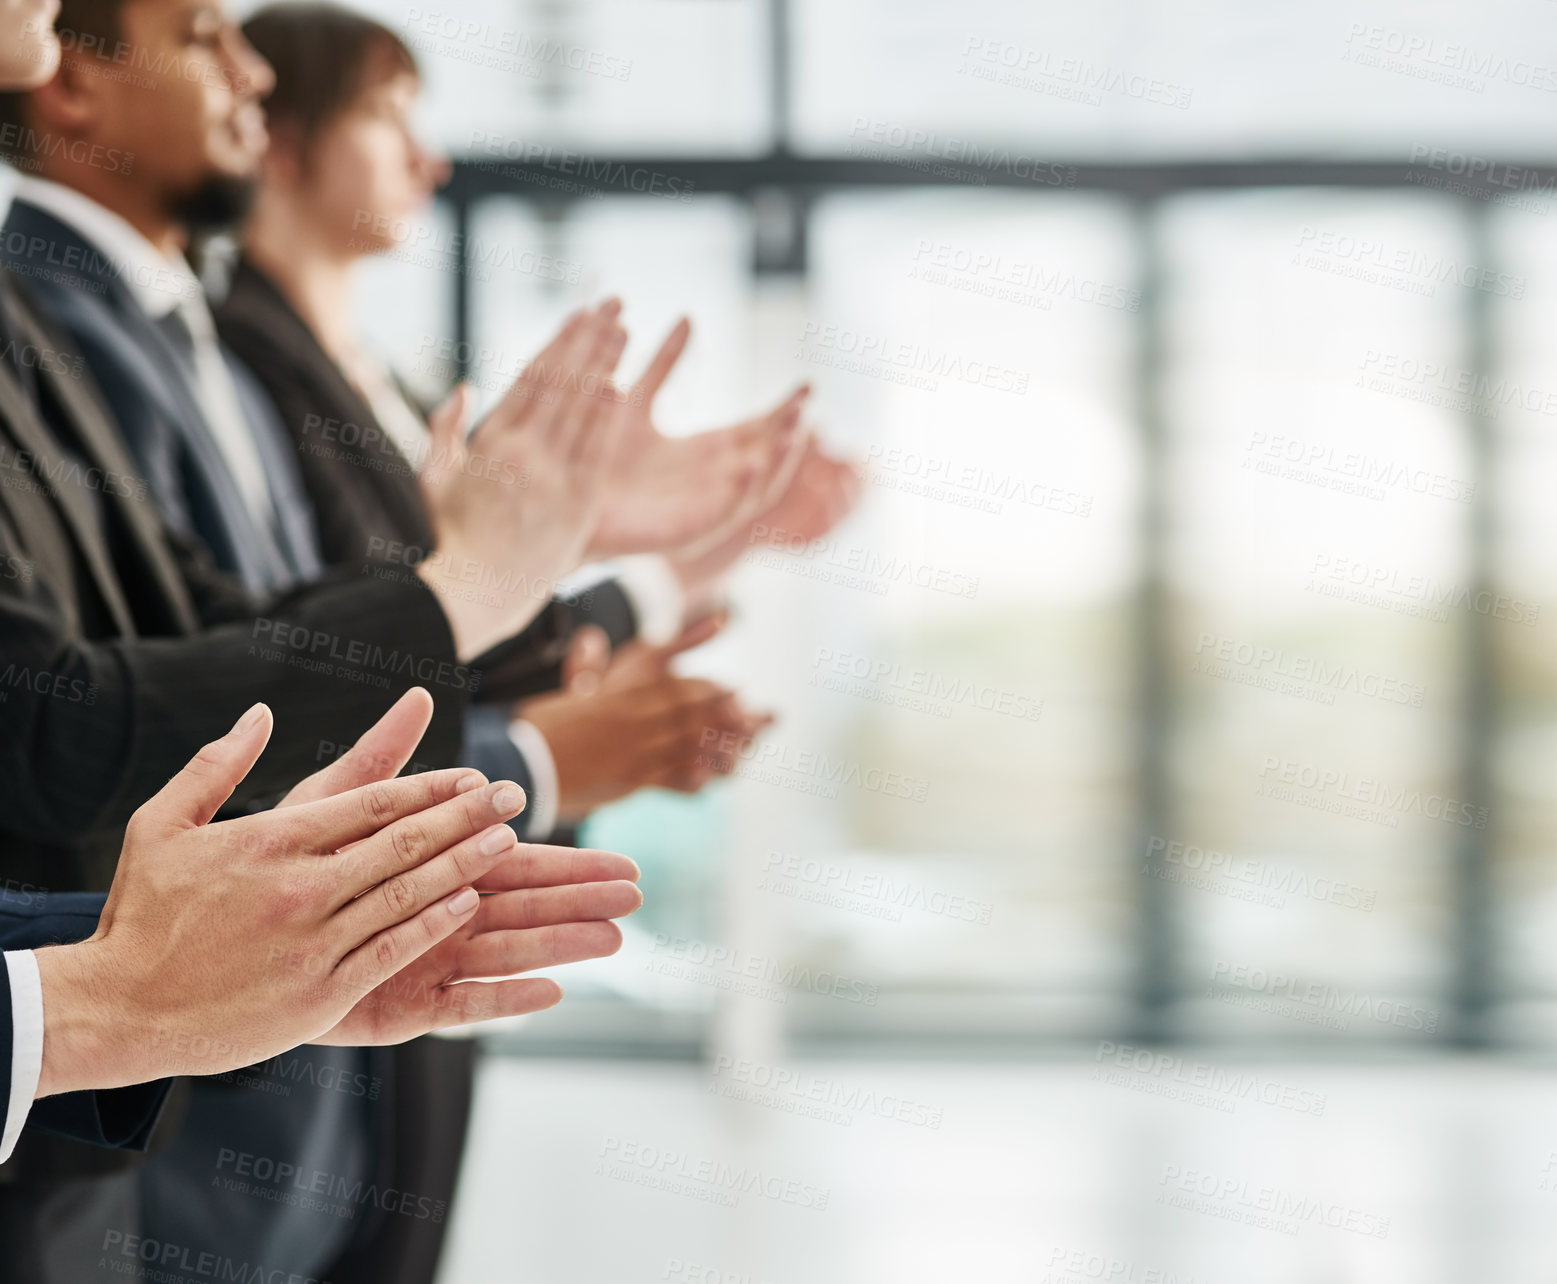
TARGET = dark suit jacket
(364,490)
(152,395)
(122,651)
(119,1117)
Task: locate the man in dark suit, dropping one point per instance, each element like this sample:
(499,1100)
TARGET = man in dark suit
(218,467)
(123,652)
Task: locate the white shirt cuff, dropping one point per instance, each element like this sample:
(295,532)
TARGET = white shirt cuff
(26,1044)
(655,594)
(541,809)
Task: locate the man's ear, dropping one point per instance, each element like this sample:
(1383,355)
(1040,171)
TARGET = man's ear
(72,103)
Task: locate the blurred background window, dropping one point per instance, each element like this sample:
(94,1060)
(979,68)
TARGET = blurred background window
(1185,669)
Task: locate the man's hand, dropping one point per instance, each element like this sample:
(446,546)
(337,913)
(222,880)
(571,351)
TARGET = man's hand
(679,493)
(223,944)
(514,507)
(550,905)
(652,734)
(820,492)
(544,906)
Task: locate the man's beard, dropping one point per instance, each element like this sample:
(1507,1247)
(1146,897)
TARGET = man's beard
(216,204)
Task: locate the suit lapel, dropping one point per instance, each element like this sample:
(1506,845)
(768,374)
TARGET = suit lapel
(100,443)
(30,435)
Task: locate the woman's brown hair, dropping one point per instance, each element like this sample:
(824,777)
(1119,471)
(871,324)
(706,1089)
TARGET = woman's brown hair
(324,56)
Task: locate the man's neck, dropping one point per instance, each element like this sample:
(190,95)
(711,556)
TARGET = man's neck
(132,202)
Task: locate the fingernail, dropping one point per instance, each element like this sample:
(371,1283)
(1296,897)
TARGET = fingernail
(498,841)
(251,718)
(473,781)
(508,798)
(464,902)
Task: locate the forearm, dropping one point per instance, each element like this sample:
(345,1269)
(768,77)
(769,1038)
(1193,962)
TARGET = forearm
(92,729)
(90,1031)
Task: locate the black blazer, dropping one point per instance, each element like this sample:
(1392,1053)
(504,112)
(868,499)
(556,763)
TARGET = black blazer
(122,650)
(121,1118)
(364,490)
(150,390)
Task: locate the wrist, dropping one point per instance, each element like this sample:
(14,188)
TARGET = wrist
(479,617)
(84,1022)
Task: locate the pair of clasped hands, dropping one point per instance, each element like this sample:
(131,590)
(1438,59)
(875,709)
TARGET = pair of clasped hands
(601,481)
(367,909)
(360,911)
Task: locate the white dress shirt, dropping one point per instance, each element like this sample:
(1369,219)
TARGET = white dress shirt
(26,1044)
(161,285)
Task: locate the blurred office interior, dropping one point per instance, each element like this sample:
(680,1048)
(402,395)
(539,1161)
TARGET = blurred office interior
(1158,814)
